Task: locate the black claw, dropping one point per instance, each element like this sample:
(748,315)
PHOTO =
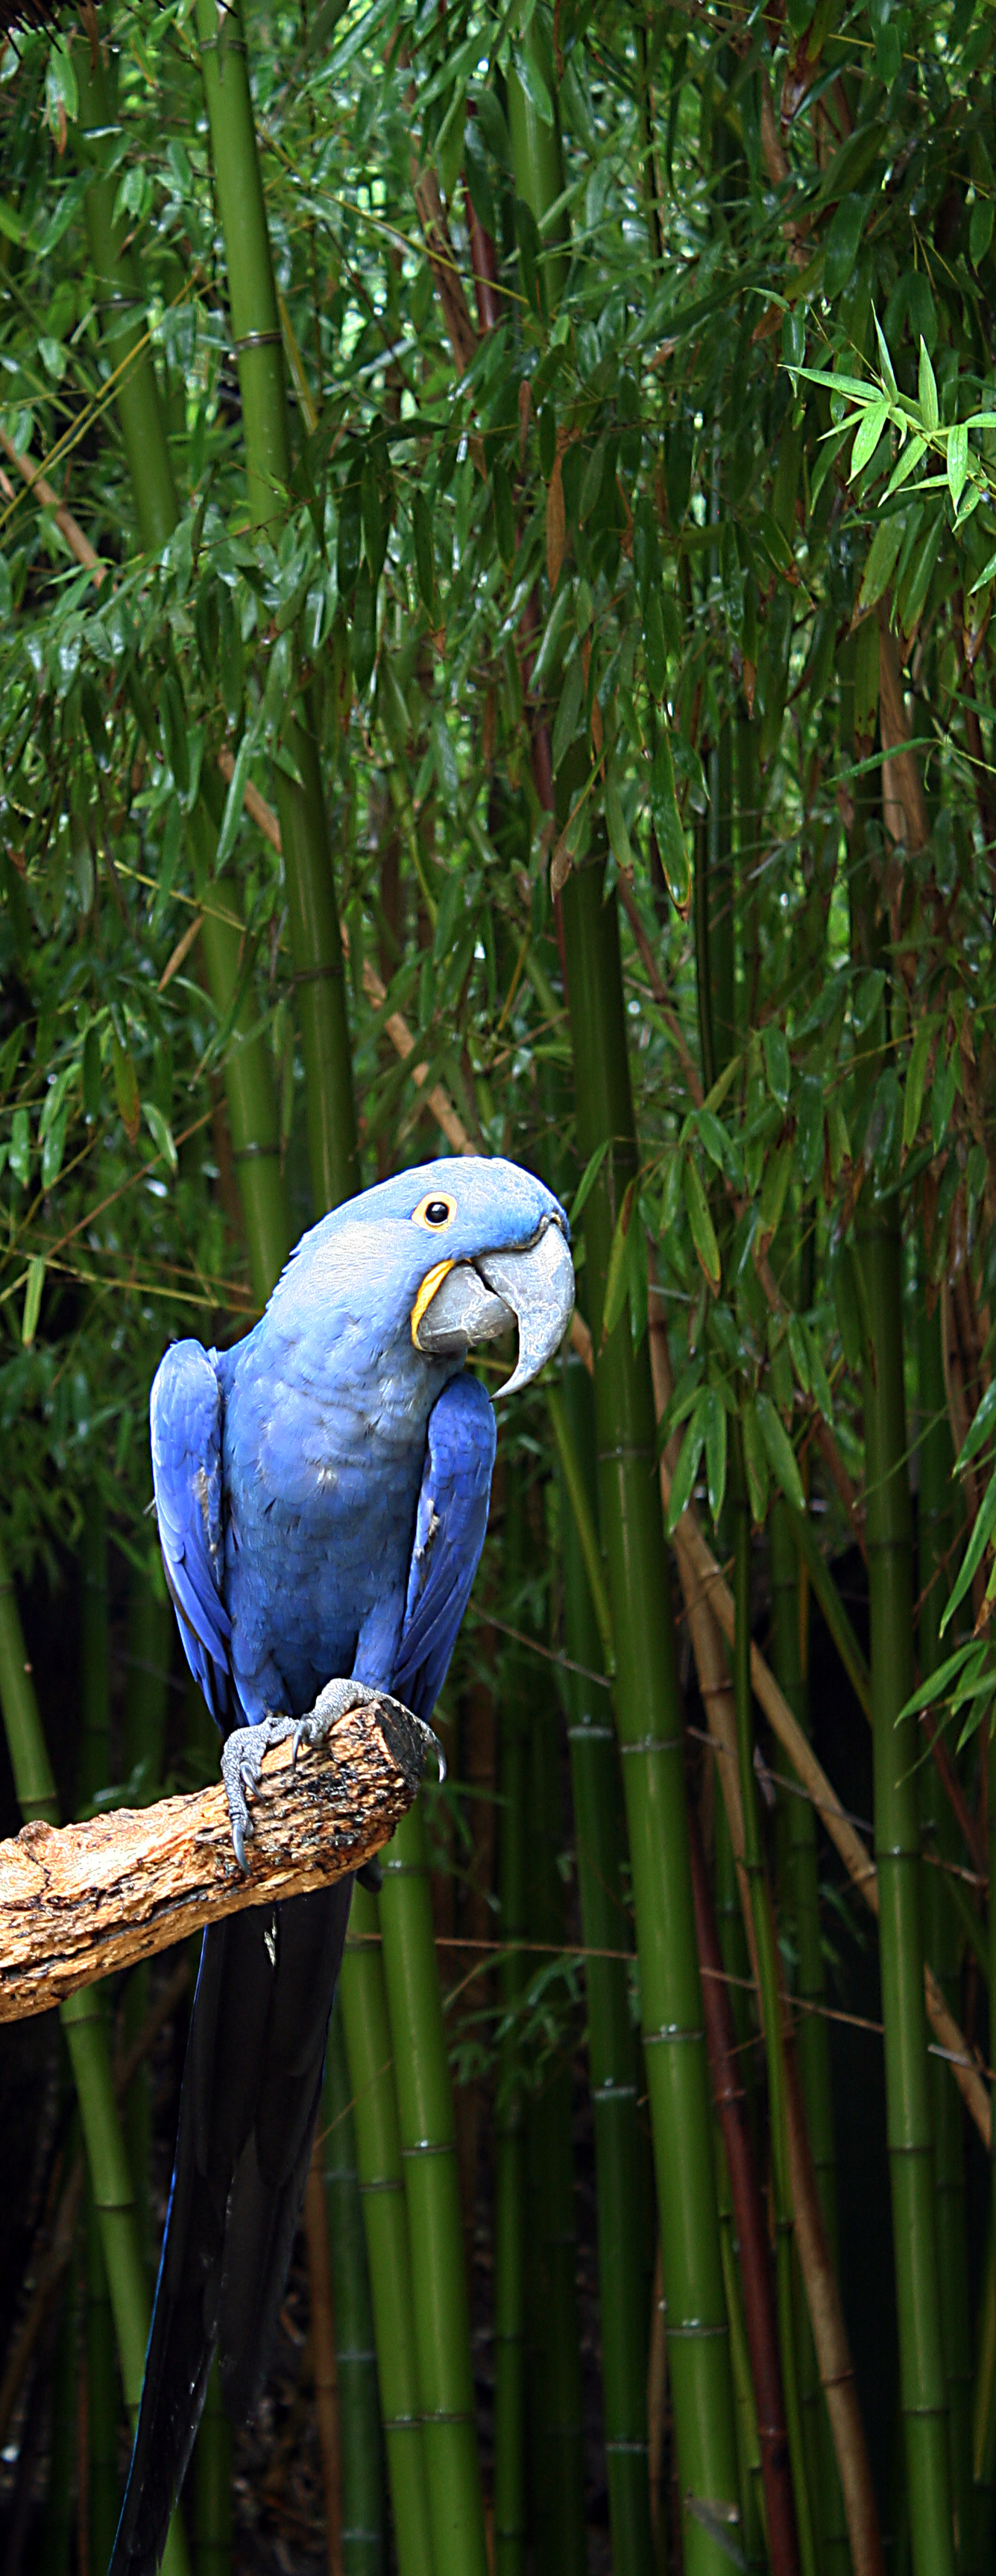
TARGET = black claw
(371,1876)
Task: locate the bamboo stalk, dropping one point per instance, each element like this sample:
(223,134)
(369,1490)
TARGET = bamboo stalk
(314,925)
(749,2226)
(83,1900)
(59,2500)
(385,2217)
(363,2535)
(510,2509)
(432,2193)
(124,327)
(612,2058)
(705,1584)
(652,1747)
(811,2037)
(943,1940)
(555,2431)
(769,1988)
(85,2032)
(323,2357)
(702,1601)
(212,2482)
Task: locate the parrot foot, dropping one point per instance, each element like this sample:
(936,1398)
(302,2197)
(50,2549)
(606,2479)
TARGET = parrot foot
(334,1701)
(241,1764)
(242,1754)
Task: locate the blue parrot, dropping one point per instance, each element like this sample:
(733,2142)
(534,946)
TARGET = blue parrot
(321,1491)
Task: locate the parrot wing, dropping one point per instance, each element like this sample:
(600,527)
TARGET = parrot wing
(450,1523)
(185,1422)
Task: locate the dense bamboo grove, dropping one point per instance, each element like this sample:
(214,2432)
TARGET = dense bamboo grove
(497,545)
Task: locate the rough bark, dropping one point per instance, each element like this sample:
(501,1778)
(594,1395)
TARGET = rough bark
(80,1901)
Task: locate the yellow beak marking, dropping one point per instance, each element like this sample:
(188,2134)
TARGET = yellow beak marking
(433,1280)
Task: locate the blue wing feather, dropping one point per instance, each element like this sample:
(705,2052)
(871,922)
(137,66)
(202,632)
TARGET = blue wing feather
(449,1535)
(185,1422)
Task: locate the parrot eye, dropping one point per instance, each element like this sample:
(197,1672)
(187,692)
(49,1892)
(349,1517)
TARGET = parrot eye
(434,1213)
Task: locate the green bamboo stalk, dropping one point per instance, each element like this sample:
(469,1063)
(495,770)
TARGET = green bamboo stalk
(94,1766)
(315,938)
(612,2055)
(57,2528)
(378,2155)
(555,2432)
(85,2028)
(942,1937)
(124,330)
(897,1853)
(755,2547)
(510,2502)
(769,1980)
(432,2193)
(363,2537)
(812,2036)
(252,1109)
(889,1532)
(652,1744)
(212,2480)
(103,2498)
(150,1625)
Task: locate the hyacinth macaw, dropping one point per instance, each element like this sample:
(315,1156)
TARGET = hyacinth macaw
(322,1494)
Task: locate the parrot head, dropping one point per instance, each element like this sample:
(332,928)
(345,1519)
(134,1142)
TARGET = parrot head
(448,1255)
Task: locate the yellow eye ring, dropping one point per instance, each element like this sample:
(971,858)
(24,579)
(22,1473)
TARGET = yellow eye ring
(435,1211)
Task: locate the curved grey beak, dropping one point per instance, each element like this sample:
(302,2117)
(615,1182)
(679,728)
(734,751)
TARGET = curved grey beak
(477,1302)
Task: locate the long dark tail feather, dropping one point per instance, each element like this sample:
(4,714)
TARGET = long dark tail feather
(248,2108)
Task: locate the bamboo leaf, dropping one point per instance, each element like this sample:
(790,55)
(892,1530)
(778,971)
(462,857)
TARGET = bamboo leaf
(234,801)
(968,1661)
(687,1469)
(985,1522)
(885,361)
(929,407)
(773,1189)
(777,1061)
(668,826)
(126,1089)
(703,1233)
(32,1300)
(617,1275)
(588,1178)
(867,437)
(781,1455)
(957,460)
(755,1461)
(161,1134)
(715,1449)
(978,1430)
(881,562)
(20,1147)
(916,1075)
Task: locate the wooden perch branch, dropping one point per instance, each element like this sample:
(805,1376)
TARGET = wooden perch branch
(80,1901)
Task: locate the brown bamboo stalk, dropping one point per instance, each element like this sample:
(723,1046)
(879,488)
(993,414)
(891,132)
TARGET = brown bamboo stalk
(80,1901)
(323,2353)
